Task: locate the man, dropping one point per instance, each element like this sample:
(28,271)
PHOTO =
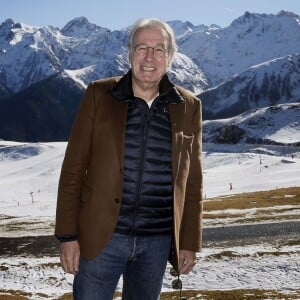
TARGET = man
(130,190)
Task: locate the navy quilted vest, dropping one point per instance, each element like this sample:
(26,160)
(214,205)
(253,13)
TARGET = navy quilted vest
(147,201)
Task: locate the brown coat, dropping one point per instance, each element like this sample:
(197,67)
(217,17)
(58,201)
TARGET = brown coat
(90,186)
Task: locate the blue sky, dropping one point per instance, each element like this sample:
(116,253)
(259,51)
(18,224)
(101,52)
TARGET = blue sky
(117,14)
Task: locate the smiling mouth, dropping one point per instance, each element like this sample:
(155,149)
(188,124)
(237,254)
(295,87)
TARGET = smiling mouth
(148,69)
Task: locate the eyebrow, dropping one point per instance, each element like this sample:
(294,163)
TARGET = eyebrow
(146,44)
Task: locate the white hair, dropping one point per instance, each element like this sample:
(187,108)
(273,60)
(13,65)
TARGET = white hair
(156,23)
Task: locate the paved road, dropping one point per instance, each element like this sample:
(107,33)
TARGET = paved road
(252,233)
(40,246)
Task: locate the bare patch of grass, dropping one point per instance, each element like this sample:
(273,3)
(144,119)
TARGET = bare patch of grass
(223,254)
(271,205)
(232,295)
(258,218)
(278,197)
(232,254)
(14,295)
(65,297)
(244,218)
(16,225)
(6,217)
(291,242)
(50,265)
(11,297)
(221,295)
(20,295)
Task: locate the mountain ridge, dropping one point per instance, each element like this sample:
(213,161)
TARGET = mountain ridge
(235,61)
(273,82)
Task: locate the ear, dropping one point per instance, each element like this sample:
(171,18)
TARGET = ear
(130,56)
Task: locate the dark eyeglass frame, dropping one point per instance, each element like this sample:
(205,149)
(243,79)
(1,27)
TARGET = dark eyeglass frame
(158,51)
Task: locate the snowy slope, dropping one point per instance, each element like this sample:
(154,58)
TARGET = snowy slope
(29,173)
(34,168)
(279,124)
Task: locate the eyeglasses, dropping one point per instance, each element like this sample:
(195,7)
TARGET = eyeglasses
(158,51)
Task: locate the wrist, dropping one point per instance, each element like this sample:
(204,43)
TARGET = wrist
(66,238)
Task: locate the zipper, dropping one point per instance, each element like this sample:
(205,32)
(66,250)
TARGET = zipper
(146,115)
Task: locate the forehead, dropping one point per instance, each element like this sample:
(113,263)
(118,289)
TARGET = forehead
(150,35)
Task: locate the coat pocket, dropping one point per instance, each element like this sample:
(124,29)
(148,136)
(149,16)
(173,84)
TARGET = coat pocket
(185,156)
(187,141)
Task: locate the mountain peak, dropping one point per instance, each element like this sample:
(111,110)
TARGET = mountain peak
(78,21)
(287,13)
(6,28)
(9,24)
(80,27)
(247,18)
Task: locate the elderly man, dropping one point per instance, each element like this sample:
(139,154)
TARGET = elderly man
(130,190)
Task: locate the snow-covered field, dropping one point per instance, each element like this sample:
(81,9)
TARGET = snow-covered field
(28,184)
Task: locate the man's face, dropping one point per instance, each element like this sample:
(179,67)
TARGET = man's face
(149,58)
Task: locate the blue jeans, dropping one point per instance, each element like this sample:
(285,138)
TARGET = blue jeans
(141,260)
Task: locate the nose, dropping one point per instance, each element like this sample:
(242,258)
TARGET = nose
(150,53)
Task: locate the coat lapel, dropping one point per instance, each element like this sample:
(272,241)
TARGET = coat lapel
(119,117)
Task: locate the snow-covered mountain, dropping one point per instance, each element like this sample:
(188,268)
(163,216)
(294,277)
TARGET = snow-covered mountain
(81,50)
(279,124)
(29,54)
(249,40)
(270,83)
(252,63)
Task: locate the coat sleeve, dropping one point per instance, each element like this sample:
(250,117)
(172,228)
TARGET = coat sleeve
(74,167)
(191,227)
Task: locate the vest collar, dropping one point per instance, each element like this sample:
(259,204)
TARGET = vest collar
(167,90)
